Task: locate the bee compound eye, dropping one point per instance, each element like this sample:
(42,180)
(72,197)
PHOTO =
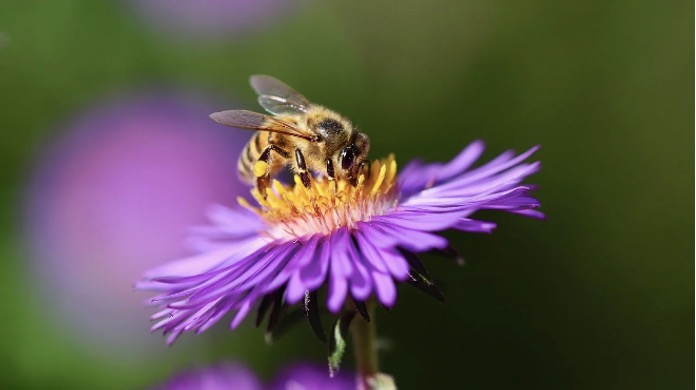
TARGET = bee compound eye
(347,157)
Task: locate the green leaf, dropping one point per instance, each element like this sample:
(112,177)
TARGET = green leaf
(337,341)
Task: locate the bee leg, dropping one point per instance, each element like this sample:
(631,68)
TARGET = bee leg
(331,173)
(302,167)
(262,168)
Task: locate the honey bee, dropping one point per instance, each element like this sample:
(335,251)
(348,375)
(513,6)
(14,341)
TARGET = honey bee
(303,136)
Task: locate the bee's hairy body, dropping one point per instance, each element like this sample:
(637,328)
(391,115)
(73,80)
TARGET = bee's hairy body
(300,135)
(315,153)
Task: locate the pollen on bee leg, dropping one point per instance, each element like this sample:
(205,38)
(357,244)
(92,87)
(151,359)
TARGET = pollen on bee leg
(260,168)
(297,180)
(334,185)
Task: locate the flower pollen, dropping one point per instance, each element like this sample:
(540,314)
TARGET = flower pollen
(295,211)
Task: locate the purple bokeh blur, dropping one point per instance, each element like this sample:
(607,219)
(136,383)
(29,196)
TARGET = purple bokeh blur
(225,376)
(210,20)
(114,195)
(219,377)
(312,377)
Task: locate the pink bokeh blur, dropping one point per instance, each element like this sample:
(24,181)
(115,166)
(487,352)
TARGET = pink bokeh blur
(114,195)
(232,375)
(210,20)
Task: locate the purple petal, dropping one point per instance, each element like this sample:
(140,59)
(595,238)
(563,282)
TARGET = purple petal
(304,257)
(241,314)
(196,265)
(369,253)
(284,268)
(480,200)
(530,213)
(314,274)
(462,161)
(340,245)
(493,167)
(272,267)
(229,226)
(261,263)
(224,308)
(474,226)
(385,288)
(409,218)
(463,187)
(416,176)
(398,266)
(338,288)
(360,282)
(171,338)
(236,222)
(393,235)
(384,260)
(295,290)
(495,185)
(340,269)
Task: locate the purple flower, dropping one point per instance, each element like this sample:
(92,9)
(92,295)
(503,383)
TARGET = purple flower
(234,376)
(112,196)
(359,240)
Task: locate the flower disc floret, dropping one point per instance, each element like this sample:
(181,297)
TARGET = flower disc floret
(295,211)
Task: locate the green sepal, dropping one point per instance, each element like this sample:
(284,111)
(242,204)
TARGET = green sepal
(362,309)
(265,304)
(418,276)
(287,321)
(311,307)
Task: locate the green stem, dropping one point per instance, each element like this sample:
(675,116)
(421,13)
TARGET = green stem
(364,335)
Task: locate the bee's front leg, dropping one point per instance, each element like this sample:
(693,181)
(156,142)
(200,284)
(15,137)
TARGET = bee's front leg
(331,173)
(262,167)
(302,168)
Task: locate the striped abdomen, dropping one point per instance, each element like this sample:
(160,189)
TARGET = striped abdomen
(251,153)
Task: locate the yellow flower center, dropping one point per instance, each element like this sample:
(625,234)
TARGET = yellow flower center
(294,211)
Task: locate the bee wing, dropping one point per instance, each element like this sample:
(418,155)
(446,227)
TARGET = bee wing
(277,105)
(277,97)
(255,121)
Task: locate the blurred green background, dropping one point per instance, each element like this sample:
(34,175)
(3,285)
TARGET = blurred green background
(598,296)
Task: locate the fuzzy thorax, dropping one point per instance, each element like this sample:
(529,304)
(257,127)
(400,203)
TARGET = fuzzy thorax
(294,211)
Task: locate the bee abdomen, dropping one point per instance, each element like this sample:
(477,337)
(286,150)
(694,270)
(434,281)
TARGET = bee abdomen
(248,157)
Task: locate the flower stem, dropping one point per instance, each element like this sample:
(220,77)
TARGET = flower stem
(364,335)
